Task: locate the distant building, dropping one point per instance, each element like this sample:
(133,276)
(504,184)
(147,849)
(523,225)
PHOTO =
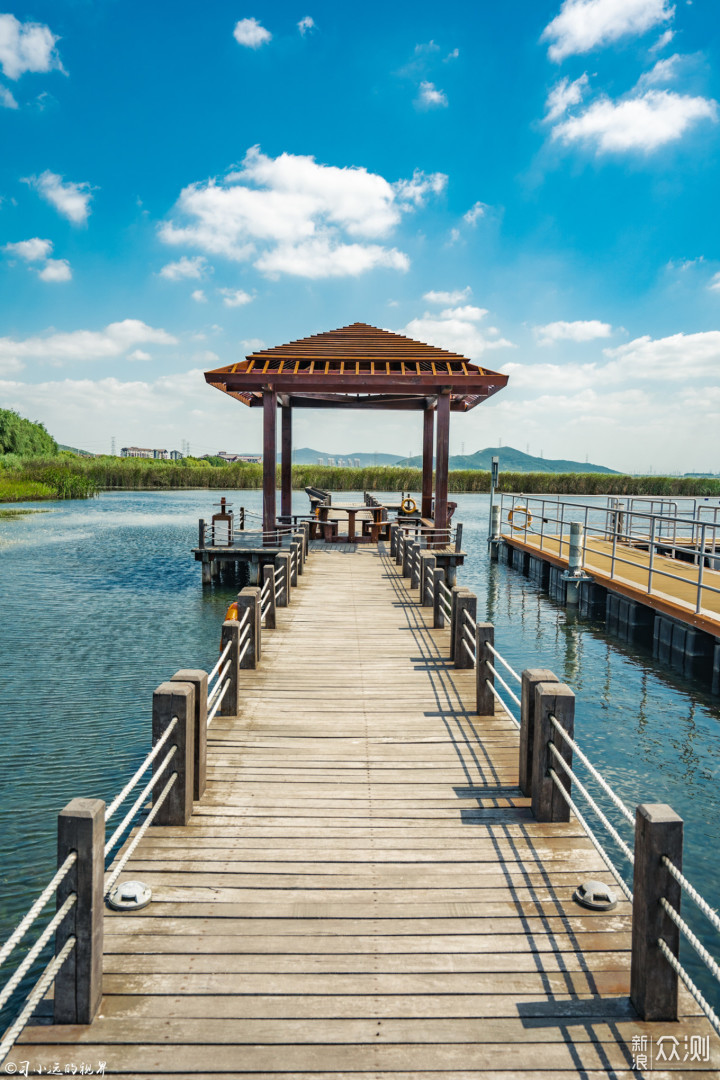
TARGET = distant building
(162,455)
(175,455)
(247,459)
(145,452)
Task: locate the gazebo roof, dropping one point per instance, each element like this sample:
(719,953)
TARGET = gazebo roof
(357,367)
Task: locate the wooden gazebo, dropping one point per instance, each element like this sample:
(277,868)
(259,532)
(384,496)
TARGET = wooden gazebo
(357,367)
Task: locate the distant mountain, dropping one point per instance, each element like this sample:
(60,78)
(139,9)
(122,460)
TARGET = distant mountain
(306,456)
(74,450)
(512,460)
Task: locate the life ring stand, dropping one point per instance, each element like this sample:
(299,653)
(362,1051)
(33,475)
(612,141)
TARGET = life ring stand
(520,510)
(408,505)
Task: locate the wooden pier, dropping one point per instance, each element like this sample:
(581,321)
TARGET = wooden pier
(363,890)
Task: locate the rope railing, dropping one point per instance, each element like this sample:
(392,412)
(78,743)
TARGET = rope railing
(683,975)
(692,892)
(120,799)
(503,661)
(223,656)
(219,684)
(593,771)
(511,693)
(110,844)
(213,711)
(35,997)
(32,955)
(497,697)
(42,901)
(120,865)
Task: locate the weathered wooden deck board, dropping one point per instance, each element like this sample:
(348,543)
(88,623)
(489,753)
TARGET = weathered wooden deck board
(363,889)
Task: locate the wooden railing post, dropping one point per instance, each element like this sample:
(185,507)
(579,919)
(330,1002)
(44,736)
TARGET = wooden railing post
(458,536)
(282,561)
(465,602)
(298,541)
(484,699)
(78,984)
(408,552)
(454,593)
(653,983)
(427,565)
(293,564)
(269,580)
(393,540)
(230,706)
(530,679)
(175,699)
(558,700)
(400,547)
(201,533)
(438,607)
(415,566)
(248,599)
(199,680)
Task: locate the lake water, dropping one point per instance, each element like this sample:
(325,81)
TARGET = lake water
(102,600)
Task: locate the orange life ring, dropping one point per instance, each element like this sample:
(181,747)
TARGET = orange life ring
(520,510)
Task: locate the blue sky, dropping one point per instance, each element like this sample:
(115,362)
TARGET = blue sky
(532,184)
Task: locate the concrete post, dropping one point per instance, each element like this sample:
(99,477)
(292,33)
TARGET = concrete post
(653,983)
(282,562)
(558,700)
(269,578)
(170,700)
(495,521)
(465,602)
(574,571)
(230,704)
(199,680)
(484,698)
(248,599)
(530,679)
(78,984)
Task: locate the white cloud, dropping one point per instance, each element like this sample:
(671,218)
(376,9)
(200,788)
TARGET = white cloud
(644,122)
(714,283)
(662,41)
(235,297)
(186,267)
(70,200)
(56,270)
(34,250)
(676,358)
(251,345)
(26,47)
(289,212)
(6,99)
(467,311)
(563,95)
(430,97)
(251,33)
(455,329)
(199,296)
(663,71)
(583,25)
(139,354)
(428,47)
(581,330)
(455,297)
(305,24)
(473,215)
(452,55)
(115,340)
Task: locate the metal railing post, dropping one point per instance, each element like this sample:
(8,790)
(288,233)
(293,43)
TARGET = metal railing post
(558,700)
(230,632)
(199,680)
(531,678)
(653,983)
(248,599)
(465,601)
(651,553)
(269,581)
(701,567)
(484,698)
(78,984)
(174,700)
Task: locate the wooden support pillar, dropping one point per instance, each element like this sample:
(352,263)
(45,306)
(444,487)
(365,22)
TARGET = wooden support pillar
(442,459)
(464,633)
(427,462)
(269,582)
(269,467)
(248,599)
(282,563)
(78,985)
(286,461)
(484,697)
(427,566)
(438,579)
(230,632)
(175,700)
(454,593)
(558,700)
(530,679)
(199,680)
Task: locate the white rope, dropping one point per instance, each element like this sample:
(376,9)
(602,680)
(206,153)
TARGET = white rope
(503,661)
(24,925)
(692,892)
(495,694)
(278,594)
(445,606)
(223,654)
(468,650)
(35,997)
(502,682)
(241,657)
(216,689)
(139,835)
(138,802)
(264,610)
(697,945)
(593,771)
(680,970)
(469,637)
(216,706)
(472,625)
(37,948)
(444,589)
(629,855)
(592,837)
(265,589)
(245,619)
(143,768)
(278,572)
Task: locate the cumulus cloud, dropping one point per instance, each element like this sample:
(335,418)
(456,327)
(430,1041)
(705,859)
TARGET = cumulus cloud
(293,215)
(643,122)
(251,345)
(714,283)
(473,215)
(69,199)
(456,329)
(563,95)
(114,340)
(26,47)
(235,297)
(453,55)
(186,267)
(583,25)
(7,100)
(430,97)
(306,24)
(56,270)
(664,39)
(139,354)
(34,250)
(251,33)
(663,71)
(675,359)
(199,296)
(581,330)
(455,297)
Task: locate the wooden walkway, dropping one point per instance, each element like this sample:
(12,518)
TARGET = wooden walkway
(362,892)
(669,595)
